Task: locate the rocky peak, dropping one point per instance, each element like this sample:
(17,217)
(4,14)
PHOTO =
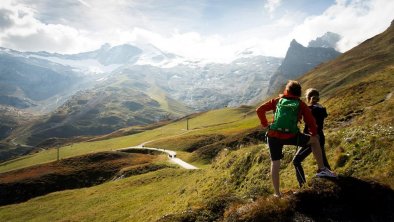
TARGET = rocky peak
(299,60)
(294,43)
(328,40)
(105,47)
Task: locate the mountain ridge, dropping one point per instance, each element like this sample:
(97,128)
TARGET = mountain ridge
(360,80)
(299,60)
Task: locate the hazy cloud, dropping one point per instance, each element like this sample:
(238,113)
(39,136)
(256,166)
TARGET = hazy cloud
(271,5)
(216,30)
(85,3)
(354,20)
(5,18)
(24,32)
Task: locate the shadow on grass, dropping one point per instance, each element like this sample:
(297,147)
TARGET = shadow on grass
(339,199)
(346,199)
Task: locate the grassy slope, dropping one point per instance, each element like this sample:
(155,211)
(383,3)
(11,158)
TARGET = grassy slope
(74,173)
(168,104)
(218,121)
(139,198)
(149,196)
(242,173)
(356,88)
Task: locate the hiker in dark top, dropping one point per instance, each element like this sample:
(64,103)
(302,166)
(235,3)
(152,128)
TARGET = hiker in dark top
(278,136)
(319,113)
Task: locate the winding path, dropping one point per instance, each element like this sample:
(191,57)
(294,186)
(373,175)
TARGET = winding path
(171,155)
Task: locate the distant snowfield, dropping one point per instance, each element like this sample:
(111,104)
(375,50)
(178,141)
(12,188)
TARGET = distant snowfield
(87,66)
(93,66)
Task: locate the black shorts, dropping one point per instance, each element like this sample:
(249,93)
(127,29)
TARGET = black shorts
(276,145)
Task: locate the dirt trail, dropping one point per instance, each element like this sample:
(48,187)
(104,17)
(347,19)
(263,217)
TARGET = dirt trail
(171,154)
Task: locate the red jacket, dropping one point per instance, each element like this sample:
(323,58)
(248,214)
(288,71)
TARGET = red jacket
(304,113)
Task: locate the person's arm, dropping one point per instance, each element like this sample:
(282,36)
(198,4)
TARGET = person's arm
(308,119)
(322,111)
(261,110)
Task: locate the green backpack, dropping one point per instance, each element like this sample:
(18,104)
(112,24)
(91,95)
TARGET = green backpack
(286,116)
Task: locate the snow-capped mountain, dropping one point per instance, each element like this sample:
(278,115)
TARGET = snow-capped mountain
(190,81)
(107,58)
(109,88)
(328,40)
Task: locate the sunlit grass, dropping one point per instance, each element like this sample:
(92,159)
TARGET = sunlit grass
(244,172)
(144,197)
(229,120)
(139,198)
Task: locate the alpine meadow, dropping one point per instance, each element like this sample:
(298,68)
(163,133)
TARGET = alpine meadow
(159,125)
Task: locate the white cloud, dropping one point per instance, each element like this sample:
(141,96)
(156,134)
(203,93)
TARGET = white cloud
(271,5)
(85,3)
(354,20)
(24,32)
(112,23)
(188,44)
(44,25)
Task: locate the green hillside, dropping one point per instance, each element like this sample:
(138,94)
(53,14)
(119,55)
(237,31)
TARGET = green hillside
(357,90)
(108,107)
(226,121)
(236,185)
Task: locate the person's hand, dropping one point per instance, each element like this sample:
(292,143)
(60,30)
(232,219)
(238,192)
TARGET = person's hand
(265,129)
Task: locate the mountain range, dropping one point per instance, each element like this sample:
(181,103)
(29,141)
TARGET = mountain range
(101,91)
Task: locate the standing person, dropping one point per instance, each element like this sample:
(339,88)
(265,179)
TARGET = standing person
(288,110)
(319,113)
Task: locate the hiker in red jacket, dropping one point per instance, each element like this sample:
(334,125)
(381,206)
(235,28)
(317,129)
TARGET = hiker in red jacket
(285,133)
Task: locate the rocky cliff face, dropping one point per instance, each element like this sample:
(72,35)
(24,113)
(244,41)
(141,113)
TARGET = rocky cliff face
(299,60)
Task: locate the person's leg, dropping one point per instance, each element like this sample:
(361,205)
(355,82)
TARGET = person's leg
(275,166)
(304,140)
(275,146)
(316,150)
(313,141)
(322,142)
(300,155)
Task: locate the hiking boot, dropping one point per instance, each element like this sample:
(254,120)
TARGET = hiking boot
(325,172)
(278,196)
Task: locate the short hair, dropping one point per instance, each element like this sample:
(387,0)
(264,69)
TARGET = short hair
(312,94)
(294,88)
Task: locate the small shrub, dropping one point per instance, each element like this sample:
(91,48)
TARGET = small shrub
(341,160)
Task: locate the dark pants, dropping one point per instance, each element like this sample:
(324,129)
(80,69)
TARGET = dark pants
(275,145)
(302,153)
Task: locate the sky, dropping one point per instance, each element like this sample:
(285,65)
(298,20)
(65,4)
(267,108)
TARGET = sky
(210,29)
